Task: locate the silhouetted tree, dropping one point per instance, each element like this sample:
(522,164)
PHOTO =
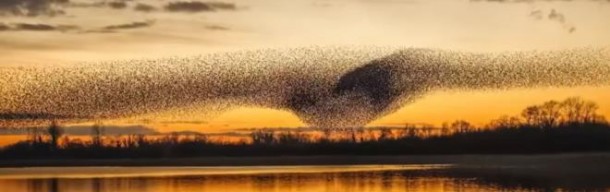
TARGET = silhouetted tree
(505,122)
(35,135)
(546,115)
(385,134)
(553,127)
(461,126)
(262,137)
(551,113)
(571,110)
(55,132)
(576,109)
(409,131)
(353,136)
(96,134)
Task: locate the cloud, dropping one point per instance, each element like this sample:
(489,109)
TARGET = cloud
(133,25)
(217,27)
(66,28)
(184,122)
(222,5)
(4,27)
(537,14)
(85,4)
(117,4)
(520,1)
(36,27)
(112,130)
(559,17)
(32,7)
(188,7)
(535,1)
(554,15)
(144,7)
(197,6)
(126,26)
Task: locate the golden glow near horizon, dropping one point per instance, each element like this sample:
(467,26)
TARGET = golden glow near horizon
(478,26)
(478,107)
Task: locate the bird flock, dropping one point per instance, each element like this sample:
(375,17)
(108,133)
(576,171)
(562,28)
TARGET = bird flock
(324,86)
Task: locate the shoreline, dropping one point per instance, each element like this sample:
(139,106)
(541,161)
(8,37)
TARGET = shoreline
(594,159)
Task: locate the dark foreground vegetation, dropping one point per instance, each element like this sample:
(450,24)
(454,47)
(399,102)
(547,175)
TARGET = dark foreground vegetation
(571,125)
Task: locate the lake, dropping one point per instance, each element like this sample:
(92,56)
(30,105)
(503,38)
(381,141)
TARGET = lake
(428,177)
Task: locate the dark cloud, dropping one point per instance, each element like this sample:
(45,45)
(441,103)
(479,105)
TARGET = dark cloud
(114,28)
(188,7)
(112,130)
(224,134)
(532,1)
(519,1)
(554,16)
(571,29)
(537,14)
(4,27)
(222,5)
(144,7)
(197,6)
(133,25)
(73,28)
(217,27)
(86,4)
(36,27)
(184,122)
(66,28)
(117,4)
(32,7)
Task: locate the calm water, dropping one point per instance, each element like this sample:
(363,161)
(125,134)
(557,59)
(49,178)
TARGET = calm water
(287,178)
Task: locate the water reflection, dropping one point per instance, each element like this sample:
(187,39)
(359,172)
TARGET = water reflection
(437,179)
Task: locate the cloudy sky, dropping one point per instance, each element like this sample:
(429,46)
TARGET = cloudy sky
(37,33)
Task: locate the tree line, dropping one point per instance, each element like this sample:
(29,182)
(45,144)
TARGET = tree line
(571,125)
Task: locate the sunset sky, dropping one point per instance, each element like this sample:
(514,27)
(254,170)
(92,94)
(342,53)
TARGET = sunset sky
(78,31)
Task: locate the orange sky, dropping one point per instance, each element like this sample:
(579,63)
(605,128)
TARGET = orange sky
(478,107)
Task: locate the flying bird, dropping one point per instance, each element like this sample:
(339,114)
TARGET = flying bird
(324,86)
